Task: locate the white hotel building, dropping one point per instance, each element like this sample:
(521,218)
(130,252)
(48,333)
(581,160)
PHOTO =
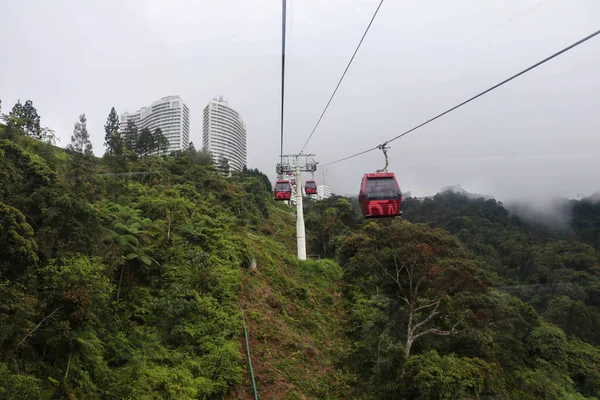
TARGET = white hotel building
(323,192)
(170,114)
(224,133)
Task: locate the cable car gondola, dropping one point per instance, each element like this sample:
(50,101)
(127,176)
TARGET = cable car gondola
(310,187)
(380,195)
(283,190)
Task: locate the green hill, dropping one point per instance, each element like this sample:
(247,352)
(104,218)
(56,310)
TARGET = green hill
(440,304)
(556,271)
(131,277)
(126,281)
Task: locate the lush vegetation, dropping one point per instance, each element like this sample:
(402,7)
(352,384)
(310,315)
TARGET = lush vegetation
(120,277)
(556,271)
(128,276)
(461,299)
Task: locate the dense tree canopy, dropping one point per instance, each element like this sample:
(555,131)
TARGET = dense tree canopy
(432,316)
(550,269)
(119,286)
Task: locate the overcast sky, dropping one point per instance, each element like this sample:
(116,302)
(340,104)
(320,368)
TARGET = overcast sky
(536,136)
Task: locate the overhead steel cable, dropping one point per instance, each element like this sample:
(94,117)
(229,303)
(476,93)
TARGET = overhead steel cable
(343,75)
(283,20)
(472,98)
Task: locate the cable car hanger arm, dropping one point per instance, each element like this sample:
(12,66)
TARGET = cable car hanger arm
(383,147)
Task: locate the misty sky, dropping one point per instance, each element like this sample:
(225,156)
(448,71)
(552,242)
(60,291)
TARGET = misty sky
(537,136)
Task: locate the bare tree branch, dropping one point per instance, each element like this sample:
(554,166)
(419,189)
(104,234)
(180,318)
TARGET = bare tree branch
(385,270)
(432,330)
(398,269)
(432,314)
(68,365)
(416,294)
(409,288)
(425,306)
(409,272)
(438,332)
(31,332)
(426,301)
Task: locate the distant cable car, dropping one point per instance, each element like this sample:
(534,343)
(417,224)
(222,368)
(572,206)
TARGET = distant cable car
(283,190)
(310,187)
(380,195)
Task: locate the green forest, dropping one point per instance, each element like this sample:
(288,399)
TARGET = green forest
(132,276)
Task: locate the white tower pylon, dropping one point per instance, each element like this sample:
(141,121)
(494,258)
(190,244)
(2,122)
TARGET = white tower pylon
(300,233)
(292,164)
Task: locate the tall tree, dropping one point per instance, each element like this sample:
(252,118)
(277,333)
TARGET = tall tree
(112,137)
(80,139)
(130,135)
(25,117)
(414,276)
(145,143)
(12,120)
(420,271)
(161,143)
(81,161)
(31,120)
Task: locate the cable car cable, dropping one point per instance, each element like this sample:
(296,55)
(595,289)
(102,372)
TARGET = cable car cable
(283,20)
(352,156)
(367,30)
(343,75)
(473,98)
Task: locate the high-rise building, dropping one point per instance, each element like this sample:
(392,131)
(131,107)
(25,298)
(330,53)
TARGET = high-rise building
(323,192)
(170,114)
(224,133)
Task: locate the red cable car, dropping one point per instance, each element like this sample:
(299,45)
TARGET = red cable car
(310,187)
(283,190)
(380,195)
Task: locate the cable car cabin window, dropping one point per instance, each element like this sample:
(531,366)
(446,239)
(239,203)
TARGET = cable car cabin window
(311,185)
(382,189)
(283,187)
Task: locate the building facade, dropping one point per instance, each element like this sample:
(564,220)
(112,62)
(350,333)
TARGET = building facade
(170,114)
(224,134)
(323,192)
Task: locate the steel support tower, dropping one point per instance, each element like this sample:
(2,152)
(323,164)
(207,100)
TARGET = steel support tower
(296,164)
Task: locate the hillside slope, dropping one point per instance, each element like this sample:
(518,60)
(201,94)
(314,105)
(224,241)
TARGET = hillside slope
(296,327)
(549,269)
(123,278)
(432,315)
